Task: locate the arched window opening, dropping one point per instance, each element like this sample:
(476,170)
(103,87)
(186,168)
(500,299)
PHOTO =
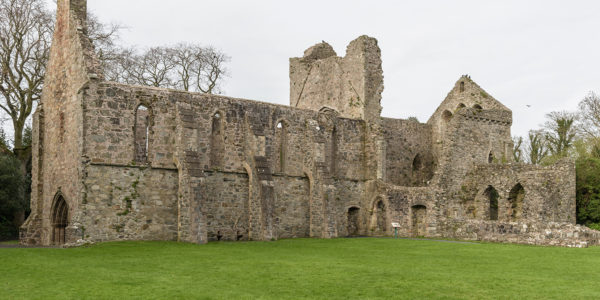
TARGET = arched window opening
(462,86)
(461,106)
(141,133)
(282,140)
(515,200)
(490,158)
(492,196)
(419,225)
(60,220)
(417,164)
(217,144)
(334,150)
(353,221)
(477,106)
(446,115)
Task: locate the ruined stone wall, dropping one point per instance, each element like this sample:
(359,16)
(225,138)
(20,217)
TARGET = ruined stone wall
(351,85)
(129,203)
(549,192)
(409,159)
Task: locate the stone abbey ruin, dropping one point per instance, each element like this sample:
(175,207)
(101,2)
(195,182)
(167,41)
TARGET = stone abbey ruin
(119,162)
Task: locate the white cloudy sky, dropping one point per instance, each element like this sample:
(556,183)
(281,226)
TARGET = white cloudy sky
(540,53)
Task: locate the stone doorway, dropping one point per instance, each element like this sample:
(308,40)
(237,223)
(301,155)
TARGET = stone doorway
(60,212)
(419,226)
(353,221)
(379,219)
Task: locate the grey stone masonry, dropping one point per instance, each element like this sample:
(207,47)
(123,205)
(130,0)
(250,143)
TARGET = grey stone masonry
(120,162)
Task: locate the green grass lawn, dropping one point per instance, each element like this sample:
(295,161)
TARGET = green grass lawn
(362,268)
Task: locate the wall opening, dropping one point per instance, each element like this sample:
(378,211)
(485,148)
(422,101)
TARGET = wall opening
(515,200)
(477,106)
(419,225)
(217,144)
(379,219)
(353,221)
(490,157)
(492,196)
(334,150)
(142,133)
(282,140)
(462,86)
(461,106)
(60,220)
(446,115)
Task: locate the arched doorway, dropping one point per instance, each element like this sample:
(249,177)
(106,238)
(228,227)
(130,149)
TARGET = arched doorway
(419,225)
(353,221)
(60,217)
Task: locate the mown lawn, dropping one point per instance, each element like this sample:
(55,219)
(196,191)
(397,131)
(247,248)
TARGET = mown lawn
(362,268)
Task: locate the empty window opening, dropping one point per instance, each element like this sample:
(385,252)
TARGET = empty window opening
(515,200)
(282,141)
(60,219)
(446,115)
(477,106)
(417,164)
(353,221)
(492,196)
(141,132)
(461,106)
(334,150)
(490,158)
(217,144)
(462,86)
(419,225)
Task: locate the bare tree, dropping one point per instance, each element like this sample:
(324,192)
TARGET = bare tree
(185,57)
(589,116)
(25,35)
(210,70)
(153,68)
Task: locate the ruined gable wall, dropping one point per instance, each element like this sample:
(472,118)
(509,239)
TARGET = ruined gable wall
(59,122)
(469,137)
(404,140)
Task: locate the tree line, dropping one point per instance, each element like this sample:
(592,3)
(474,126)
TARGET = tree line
(26,29)
(574,135)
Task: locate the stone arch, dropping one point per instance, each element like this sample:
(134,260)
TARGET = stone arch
(141,133)
(477,106)
(446,116)
(460,106)
(380,216)
(491,196)
(419,220)
(515,202)
(60,219)
(281,138)
(353,220)
(217,143)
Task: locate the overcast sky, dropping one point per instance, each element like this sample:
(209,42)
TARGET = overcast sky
(540,53)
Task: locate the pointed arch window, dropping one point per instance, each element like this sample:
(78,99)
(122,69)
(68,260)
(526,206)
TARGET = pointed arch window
(217,144)
(515,200)
(492,196)
(281,136)
(142,133)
